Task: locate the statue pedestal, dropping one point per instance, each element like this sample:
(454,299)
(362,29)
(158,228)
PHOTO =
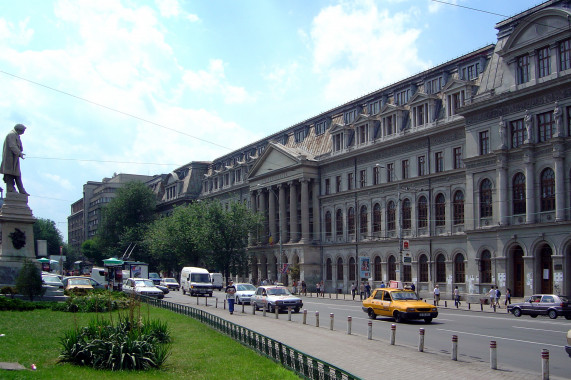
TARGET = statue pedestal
(16,236)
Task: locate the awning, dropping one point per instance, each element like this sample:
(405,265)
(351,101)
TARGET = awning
(112,262)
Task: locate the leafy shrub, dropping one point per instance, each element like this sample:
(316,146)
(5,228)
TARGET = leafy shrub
(128,345)
(29,280)
(20,305)
(95,301)
(9,291)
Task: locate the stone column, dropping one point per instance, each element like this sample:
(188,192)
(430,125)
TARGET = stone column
(262,199)
(293,212)
(558,149)
(283,213)
(253,198)
(272,214)
(529,188)
(305,237)
(316,212)
(502,192)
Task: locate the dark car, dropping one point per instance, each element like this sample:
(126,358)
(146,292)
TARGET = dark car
(542,304)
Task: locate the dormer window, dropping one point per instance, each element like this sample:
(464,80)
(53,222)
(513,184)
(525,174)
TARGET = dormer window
(338,142)
(455,101)
(261,150)
(470,72)
(299,135)
(320,128)
(374,107)
(434,85)
(238,175)
(420,115)
(402,97)
(362,134)
(349,116)
(389,125)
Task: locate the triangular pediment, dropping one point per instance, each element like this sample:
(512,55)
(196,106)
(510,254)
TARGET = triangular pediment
(362,118)
(275,158)
(336,127)
(420,97)
(456,84)
(388,108)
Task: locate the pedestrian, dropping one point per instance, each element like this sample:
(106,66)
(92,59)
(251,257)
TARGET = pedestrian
(322,289)
(492,295)
(382,284)
(367,290)
(318,290)
(412,287)
(294,287)
(353,290)
(498,295)
(361,290)
(508,297)
(304,288)
(231,296)
(456,297)
(436,295)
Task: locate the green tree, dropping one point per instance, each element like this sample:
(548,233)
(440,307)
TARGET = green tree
(92,250)
(125,220)
(29,280)
(45,229)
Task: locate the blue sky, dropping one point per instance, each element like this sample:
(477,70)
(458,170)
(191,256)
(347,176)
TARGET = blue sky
(134,86)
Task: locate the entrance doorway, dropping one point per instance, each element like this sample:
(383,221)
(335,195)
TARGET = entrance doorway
(518,272)
(546,270)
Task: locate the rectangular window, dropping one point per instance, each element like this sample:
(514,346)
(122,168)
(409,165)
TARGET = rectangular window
(434,85)
(320,128)
(338,184)
(390,172)
(471,72)
(484,142)
(388,122)
(522,69)
(545,126)
(455,101)
(518,132)
(363,178)
(363,134)
(458,158)
(338,142)
(421,166)
(543,65)
(327,186)
(376,175)
(350,116)
(404,169)
(238,177)
(402,97)
(565,55)
(350,180)
(374,108)
(299,135)
(438,162)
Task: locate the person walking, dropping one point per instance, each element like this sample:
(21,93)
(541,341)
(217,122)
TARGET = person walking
(498,296)
(318,290)
(353,290)
(361,290)
(436,293)
(456,297)
(367,290)
(492,295)
(294,287)
(322,289)
(304,288)
(508,297)
(231,296)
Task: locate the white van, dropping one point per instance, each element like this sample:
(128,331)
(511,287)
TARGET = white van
(98,274)
(195,281)
(217,280)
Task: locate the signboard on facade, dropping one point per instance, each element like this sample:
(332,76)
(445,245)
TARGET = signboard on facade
(407,258)
(364,265)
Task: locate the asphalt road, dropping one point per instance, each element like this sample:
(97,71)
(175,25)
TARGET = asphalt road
(519,340)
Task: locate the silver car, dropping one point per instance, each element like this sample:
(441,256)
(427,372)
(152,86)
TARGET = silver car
(276,297)
(244,293)
(142,287)
(551,305)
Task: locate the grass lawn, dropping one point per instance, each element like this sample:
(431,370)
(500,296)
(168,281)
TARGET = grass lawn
(197,352)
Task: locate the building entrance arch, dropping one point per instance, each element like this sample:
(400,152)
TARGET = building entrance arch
(546,269)
(518,271)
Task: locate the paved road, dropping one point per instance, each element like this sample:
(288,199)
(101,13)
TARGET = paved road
(519,340)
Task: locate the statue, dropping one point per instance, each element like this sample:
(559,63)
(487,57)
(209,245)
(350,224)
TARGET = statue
(11,155)
(557,117)
(502,132)
(528,120)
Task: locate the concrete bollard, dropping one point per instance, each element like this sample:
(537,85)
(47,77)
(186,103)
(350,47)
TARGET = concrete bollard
(253,308)
(421,340)
(493,355)
(337,295)
(445,303)
(349,321)
(481,306)
(217,303)
(197,299)
(224,304)
(331,319)
(265,308)
(370,330)
(393,334)
(243,306)
(468,305)
(545,364)
(454,347)
(205,301)
(277,311)
(289,313)
(304,316)
(317,319)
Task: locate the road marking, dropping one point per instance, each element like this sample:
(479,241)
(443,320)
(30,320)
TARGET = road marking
(479,314)
(498,337)
(533,328)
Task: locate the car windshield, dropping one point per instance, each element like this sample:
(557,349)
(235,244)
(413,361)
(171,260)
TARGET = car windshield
(200,277)
(79,281)
(404,296)
(170,280)
(563,299)
(244,287)
(144,283)
(51,279)
(278,292)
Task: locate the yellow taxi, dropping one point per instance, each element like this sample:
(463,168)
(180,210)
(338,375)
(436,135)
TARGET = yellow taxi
(399,304)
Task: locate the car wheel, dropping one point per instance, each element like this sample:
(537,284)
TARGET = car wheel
(398,317)
(533,315)
(428,320)
(371,314)
(517,312)
(568,317)
(552,314)
(270,308)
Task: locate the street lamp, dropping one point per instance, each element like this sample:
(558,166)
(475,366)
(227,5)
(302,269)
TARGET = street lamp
(271,190)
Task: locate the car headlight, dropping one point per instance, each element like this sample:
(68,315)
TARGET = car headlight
(409,309)
(434,309)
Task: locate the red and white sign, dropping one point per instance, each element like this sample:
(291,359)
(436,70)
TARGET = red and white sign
(405,245)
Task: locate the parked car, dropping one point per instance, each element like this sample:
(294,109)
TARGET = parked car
(551,305)
(78,283)
(94,284)
(399,304)
(171,283)
(162,288)
(272,297)
(143,287)
(155,278)
(52,280)
(244,293)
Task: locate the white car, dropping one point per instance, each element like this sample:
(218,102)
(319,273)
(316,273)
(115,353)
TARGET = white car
(142,287)
(276,297)
(244,292)
(170,283)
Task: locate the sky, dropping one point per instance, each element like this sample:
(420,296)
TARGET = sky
(146,86)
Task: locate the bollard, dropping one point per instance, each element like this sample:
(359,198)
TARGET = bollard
(421,340)
(197,299)
(445,303)
(481,306)
(494,307)
(454,347)
(393,334)
(289,313)
(545,364)
(337,295)
(217,302)
(349,320)
(265,308)
(243,305)
(304,316)
(206,300)
(253,308)
(493,355)
(468,305)
(317,319)
(277,311)
(331,318)
(224,304)
(370,331)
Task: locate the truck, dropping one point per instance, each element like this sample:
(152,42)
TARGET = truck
(195,281)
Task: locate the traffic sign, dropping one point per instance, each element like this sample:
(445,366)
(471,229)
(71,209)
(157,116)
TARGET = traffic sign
(405,245)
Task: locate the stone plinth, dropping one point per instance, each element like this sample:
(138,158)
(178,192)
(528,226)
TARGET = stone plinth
(16,226)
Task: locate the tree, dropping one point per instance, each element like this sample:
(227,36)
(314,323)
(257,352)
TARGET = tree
(45,229)
(92,250)
(125,220)
(29,280)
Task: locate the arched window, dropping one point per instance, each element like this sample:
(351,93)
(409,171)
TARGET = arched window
(459,269)
(378,274)
(351,220)
(422,212)
(440,210)
(486,199)
(518,194)
(458,207)
(339,222)
(340,269)
(328,270)
(392,268)
(486,267)
(364,220)
(391,225)
(352,269)
(406,214)
(328,224)
(547,190)
(423,268)
(377,218)
(440,268)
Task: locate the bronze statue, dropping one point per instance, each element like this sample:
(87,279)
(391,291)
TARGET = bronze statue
(11,155)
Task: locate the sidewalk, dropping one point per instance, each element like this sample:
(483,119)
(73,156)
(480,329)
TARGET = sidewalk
(368,359)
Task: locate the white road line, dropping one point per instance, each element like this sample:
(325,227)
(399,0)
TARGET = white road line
(525,320)
(532,328)
(498,337)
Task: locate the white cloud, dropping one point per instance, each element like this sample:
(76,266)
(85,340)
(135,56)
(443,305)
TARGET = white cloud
(435,6)
(358,47)
(58,181)
(281,78)
(172,8)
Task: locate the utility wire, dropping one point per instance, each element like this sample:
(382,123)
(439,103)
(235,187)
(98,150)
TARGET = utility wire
(104,161)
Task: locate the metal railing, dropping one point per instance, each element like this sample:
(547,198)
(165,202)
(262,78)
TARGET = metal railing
(299,362)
